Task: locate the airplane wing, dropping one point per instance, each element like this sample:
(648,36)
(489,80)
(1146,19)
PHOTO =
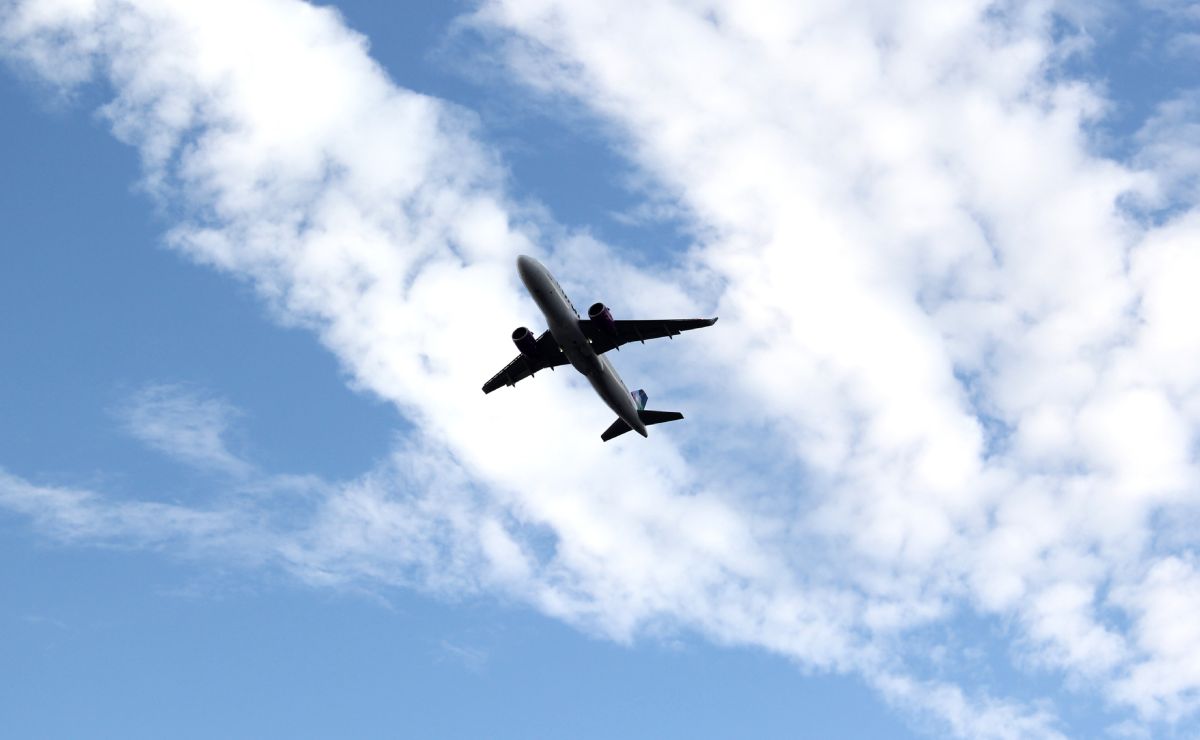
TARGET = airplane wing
(638,330)
(547,354)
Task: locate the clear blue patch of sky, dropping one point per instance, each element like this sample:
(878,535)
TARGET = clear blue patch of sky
(116,644)
(1136,55)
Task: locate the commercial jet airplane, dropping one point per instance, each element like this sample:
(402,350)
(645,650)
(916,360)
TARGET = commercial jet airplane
(583,342)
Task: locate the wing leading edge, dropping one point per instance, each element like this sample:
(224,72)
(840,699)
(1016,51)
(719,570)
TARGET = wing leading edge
(637,330)
(547,354)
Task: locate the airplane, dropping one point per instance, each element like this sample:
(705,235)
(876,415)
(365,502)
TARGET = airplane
(582,343)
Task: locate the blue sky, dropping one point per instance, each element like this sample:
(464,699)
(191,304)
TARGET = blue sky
(939,468)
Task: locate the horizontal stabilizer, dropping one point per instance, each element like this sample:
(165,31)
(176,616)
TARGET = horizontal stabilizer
(618,427)
(658,417)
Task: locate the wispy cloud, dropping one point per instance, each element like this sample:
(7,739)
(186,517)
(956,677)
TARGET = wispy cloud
(972,365)
(1181,9)
(471,658)
(1169,146)
(180,422)
(78,515)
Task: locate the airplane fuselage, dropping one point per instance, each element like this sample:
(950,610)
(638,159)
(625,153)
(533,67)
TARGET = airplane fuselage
(563,321)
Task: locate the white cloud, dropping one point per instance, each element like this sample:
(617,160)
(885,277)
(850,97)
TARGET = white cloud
(1166,678)
(897,205)
(970,364)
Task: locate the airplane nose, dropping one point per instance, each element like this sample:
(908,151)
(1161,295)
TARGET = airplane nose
(527,267)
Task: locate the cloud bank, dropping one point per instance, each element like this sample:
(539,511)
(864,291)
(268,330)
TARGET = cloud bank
(971,362)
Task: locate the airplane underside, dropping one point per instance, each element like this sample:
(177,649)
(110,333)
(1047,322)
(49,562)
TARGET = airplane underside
(582,343)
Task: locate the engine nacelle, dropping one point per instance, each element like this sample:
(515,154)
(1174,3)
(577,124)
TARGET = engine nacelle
(525,341)
(601,316)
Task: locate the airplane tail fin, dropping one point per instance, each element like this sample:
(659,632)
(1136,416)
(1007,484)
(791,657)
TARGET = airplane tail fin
(648,417)
(640,398)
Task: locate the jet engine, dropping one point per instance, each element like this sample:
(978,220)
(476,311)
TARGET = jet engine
(601,316)
(525,341)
